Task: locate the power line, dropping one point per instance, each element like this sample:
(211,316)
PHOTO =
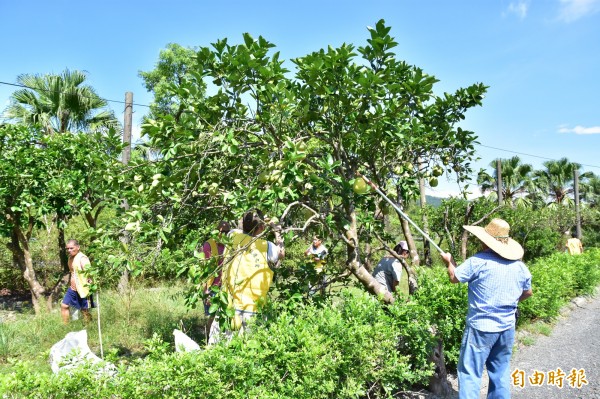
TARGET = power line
(53,91)
(530,155)
(144,105)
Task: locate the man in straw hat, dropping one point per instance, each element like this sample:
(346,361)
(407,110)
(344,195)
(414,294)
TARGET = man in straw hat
(497,280)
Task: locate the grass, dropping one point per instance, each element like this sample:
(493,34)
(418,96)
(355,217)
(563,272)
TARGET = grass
(127,322)
(528,340)
(542,328)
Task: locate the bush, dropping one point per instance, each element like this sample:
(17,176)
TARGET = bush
(351,347)
(447,304)
(345,350)
(558,278)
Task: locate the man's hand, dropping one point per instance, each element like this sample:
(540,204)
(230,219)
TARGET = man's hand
(447,257)
(451,265)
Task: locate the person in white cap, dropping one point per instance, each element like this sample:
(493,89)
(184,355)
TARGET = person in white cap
(389,269)
(498,280)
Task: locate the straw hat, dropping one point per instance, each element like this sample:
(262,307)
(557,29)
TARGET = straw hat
(495,236)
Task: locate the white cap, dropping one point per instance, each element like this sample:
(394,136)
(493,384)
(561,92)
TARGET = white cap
(403,245)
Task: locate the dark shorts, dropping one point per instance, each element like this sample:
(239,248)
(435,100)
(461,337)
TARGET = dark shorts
(73,299)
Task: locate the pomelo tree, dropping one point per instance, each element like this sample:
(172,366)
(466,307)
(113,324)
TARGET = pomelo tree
(255,134)
(42,176)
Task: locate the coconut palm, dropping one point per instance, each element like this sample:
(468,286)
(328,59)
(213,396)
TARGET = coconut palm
(516,181)
(59,103)
(555,183)
(590,191)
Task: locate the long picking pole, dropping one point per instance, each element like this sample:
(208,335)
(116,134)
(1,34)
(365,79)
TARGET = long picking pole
(99,329)
(404,215)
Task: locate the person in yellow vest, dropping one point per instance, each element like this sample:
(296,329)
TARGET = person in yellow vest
(78,294)
(574,245)
(212,248)
(247,276)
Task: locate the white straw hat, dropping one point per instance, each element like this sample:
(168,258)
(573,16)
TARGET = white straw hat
(495,236)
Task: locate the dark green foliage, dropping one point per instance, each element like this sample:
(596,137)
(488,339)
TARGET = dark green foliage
(540,243)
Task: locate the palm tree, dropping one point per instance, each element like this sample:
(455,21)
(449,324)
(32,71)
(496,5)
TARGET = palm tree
(555,183)
(59,104)
(590,191)
(516,181)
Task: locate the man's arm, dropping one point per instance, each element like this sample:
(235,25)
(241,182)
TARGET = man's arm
(397,272)
(451,265)
(526,294)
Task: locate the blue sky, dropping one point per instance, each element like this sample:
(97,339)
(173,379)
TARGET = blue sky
(541,58)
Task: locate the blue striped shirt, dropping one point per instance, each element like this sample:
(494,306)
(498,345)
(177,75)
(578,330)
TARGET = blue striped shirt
(495,286)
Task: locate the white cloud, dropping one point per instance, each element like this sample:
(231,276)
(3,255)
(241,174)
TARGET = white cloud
(572,10)
(519,8)
(580,130)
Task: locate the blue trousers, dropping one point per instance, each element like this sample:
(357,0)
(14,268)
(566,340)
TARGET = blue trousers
(492,349)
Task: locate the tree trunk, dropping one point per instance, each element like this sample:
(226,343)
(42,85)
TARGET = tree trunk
(413,284)
(355,266)
(57,290)
(438,382)
(19,246)
(61,221)
(464,239)
(414,254)
(64,262)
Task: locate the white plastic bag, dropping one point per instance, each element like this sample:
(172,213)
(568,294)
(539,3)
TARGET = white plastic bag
(72,351)
(74,312)
(183,343)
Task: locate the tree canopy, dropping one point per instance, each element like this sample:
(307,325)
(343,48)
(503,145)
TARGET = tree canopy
(291,142)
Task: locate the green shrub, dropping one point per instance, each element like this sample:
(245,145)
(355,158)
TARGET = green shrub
(347,350)
(353,346)
(558,278)
(541,242)
(447,304)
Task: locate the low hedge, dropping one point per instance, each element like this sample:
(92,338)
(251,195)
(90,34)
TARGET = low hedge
(558,278)
(353,347)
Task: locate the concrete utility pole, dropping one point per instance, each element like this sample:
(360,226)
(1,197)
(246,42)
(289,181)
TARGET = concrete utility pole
(576,194)
(127,127)
(123,285)
(499,180)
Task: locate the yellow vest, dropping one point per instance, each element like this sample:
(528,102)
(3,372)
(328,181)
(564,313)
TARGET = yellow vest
(81,279)
(574,246)
(214,252)
(247,276)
